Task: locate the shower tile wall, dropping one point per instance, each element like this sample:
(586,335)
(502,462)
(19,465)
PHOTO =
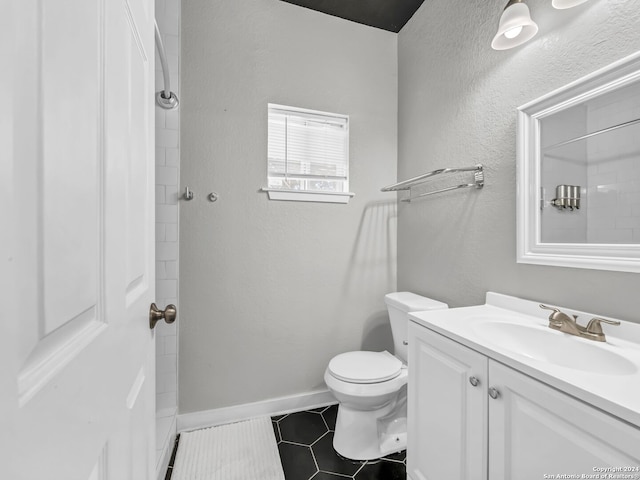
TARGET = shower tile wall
(607,169)
(614,173)
(167,194)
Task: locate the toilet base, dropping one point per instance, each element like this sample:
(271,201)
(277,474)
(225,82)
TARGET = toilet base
(357,436)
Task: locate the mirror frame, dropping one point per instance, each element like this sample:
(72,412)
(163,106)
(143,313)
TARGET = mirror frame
(530,249)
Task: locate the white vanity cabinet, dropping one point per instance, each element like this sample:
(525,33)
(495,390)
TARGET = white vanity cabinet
(457,431)
(447,420)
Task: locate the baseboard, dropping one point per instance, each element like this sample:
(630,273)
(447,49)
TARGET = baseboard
(270,407)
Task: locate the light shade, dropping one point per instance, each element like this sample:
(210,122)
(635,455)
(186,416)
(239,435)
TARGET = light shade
(515,28)
(562,4)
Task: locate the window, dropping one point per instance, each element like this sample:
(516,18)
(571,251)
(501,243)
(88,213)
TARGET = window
(308,155)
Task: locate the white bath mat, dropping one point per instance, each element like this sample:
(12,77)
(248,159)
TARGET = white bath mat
(238,451)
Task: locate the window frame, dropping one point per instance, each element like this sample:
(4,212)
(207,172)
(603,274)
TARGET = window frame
(275,193)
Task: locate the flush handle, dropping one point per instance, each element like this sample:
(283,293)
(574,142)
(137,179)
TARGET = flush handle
(474,381)
(155,314)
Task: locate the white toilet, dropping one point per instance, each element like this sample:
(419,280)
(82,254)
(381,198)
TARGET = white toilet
(371,388)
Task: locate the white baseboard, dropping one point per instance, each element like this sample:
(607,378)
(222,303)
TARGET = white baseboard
(270,407)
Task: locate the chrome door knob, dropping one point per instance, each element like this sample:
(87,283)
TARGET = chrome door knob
(155,314)
(494,393)
(474,381)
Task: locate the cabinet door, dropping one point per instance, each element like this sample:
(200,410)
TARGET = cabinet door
(535,430)
(447,427)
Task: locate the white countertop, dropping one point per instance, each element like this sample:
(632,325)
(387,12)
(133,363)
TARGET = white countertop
(617,394)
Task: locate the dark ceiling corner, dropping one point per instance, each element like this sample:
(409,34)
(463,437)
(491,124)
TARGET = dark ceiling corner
(390,15)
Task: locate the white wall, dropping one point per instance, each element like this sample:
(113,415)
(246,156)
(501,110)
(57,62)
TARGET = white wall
(167,181)
(270,291)
(457,107)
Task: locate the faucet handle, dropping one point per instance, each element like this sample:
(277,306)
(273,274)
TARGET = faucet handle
(554,309)
(594,326)
(558,317)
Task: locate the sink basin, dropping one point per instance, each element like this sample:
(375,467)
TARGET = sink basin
(515,333)
(547,345)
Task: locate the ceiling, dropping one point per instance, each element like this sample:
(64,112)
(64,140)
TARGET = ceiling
(388,15)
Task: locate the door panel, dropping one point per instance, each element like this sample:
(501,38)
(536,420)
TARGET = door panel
(70,161)
(60,175)
(80,375)
(64,221)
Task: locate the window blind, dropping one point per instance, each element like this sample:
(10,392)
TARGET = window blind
(307,150)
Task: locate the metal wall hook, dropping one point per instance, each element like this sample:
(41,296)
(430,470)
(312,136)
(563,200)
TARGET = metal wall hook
(188,195)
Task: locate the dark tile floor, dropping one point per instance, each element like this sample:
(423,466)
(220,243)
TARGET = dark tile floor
(305,442)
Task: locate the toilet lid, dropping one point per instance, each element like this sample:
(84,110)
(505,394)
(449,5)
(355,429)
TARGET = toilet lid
(365,367)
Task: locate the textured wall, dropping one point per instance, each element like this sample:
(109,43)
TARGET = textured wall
(270,291)
(457,106)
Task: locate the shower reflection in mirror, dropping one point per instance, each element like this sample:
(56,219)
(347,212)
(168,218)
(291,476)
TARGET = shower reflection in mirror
(590,158)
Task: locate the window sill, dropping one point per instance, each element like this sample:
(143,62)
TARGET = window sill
(308,196)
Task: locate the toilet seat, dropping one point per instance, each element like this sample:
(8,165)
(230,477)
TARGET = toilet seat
(363,391)
(365,367)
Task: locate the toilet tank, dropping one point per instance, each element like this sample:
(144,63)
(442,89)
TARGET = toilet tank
(399,305)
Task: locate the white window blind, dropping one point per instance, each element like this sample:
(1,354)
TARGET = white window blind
(307,150)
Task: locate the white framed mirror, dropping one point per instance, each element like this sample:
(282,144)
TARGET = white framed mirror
(578,195)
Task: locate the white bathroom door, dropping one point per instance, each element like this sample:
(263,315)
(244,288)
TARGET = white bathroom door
(77,365)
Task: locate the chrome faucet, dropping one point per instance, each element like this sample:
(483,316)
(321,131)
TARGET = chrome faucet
(559,320)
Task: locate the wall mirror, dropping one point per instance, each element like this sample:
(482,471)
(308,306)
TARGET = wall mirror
(579,173)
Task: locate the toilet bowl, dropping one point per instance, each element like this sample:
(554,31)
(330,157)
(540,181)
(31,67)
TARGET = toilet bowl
(370,388)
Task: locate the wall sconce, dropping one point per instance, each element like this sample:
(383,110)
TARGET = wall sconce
(515,27)
(562,4)
(567,196)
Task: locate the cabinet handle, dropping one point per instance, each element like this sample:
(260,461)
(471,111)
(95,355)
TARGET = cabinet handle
(474,381)
(494,393)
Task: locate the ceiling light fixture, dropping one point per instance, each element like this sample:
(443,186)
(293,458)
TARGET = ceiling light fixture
(562,4)
(516,26)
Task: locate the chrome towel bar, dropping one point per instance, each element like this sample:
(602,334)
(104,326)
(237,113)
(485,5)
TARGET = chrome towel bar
(420,179)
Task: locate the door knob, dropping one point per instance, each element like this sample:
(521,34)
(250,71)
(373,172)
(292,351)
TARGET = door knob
(494,393)
(474,381)
(155,314)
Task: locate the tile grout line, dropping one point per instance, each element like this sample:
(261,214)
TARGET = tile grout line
(319,455)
